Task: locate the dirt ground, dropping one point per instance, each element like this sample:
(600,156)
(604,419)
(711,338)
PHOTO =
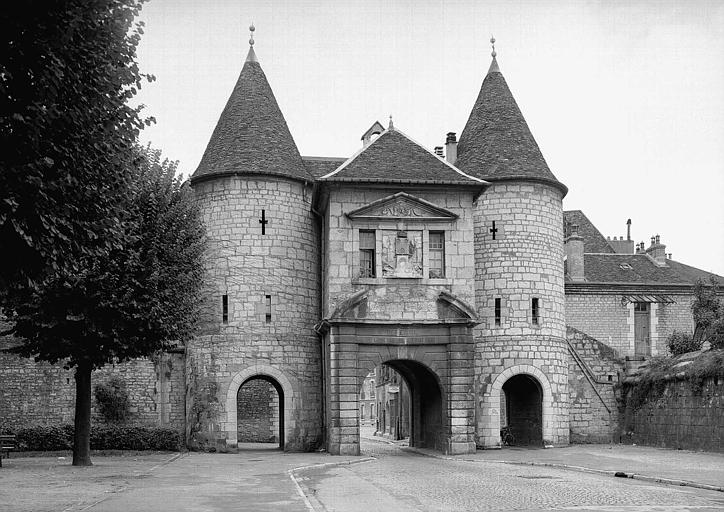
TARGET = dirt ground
(30,484)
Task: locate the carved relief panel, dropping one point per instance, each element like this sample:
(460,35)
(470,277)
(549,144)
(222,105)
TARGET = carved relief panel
(401,253)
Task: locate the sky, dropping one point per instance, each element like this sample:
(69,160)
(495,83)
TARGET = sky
(625,98)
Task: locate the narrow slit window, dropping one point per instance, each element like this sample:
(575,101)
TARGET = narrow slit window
(366,253)
(535,311)
(498,311)
(225,309)
(437,254)
(268,308)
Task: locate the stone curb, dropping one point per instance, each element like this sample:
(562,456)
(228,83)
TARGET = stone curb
(307,501)
(583,469)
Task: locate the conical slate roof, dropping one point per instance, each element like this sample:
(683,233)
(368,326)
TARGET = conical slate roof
(251,136)
(496,143)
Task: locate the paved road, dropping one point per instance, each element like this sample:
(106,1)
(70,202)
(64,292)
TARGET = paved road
(389,478)
(406,481)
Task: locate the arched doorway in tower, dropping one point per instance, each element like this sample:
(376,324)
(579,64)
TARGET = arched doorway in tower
(408,403)
(522,404)
(260,413)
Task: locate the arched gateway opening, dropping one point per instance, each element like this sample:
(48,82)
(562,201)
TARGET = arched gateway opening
(260,413)
(522,403)
(409,404)
(418,415)
(429,343)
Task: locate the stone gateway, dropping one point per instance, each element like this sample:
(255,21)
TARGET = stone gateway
(459,271)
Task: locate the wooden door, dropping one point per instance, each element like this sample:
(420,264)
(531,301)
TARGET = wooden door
(642,339)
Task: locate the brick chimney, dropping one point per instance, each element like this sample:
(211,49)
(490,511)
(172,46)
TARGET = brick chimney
(657,251)
(438,151)
(574,255)
(451,148)
(621,246)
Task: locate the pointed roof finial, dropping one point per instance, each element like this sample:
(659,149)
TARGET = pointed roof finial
(251,56)
(492,42)
(392,126)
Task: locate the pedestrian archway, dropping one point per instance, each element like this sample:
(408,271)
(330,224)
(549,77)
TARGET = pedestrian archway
(260,412)
(284,390)
(522,408)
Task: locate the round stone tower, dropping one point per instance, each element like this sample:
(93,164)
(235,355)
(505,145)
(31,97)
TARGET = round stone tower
(521,354)
(263,282)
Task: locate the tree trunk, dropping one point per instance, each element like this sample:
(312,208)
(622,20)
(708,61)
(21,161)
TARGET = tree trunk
(81,438)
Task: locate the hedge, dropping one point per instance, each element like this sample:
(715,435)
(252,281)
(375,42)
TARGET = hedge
(103,437)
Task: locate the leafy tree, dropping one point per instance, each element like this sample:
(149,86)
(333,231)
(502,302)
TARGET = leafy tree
(134,300)
(112,399)
(67,71)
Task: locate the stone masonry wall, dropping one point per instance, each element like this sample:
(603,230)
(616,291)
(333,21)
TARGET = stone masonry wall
(602,317)
(247,266)
(610,319)
(680,418)
(674,317)
(342,248)
(258,412)
(594,369)
(496,360)
(523,262)
(40,393)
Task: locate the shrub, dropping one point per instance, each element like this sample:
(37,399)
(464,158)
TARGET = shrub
(117,437)
(103,437)
(45,437)
(682,342)
(112,399)
(716,335)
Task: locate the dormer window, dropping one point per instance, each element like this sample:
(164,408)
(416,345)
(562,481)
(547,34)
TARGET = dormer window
(372,133)
(625,266)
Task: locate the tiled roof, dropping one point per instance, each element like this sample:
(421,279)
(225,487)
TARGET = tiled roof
(613,268)
(693,274)
(593,240)
(394,157)
(320,165)
(496,143)
(252,136)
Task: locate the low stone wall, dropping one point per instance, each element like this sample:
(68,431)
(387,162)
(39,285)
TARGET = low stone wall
(594,368)
(33,393)
(682,417)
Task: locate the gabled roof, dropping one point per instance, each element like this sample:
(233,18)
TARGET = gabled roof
(593,240)
(251,136)
(640,269)
(393,158)
(496,143)
(320,165)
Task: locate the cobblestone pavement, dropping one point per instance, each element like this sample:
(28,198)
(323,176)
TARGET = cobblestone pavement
(404,481)
(395,479)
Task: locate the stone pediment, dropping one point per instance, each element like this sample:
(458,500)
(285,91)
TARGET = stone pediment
(401,206)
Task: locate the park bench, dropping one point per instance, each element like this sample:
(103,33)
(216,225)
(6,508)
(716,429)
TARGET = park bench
(8,443)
